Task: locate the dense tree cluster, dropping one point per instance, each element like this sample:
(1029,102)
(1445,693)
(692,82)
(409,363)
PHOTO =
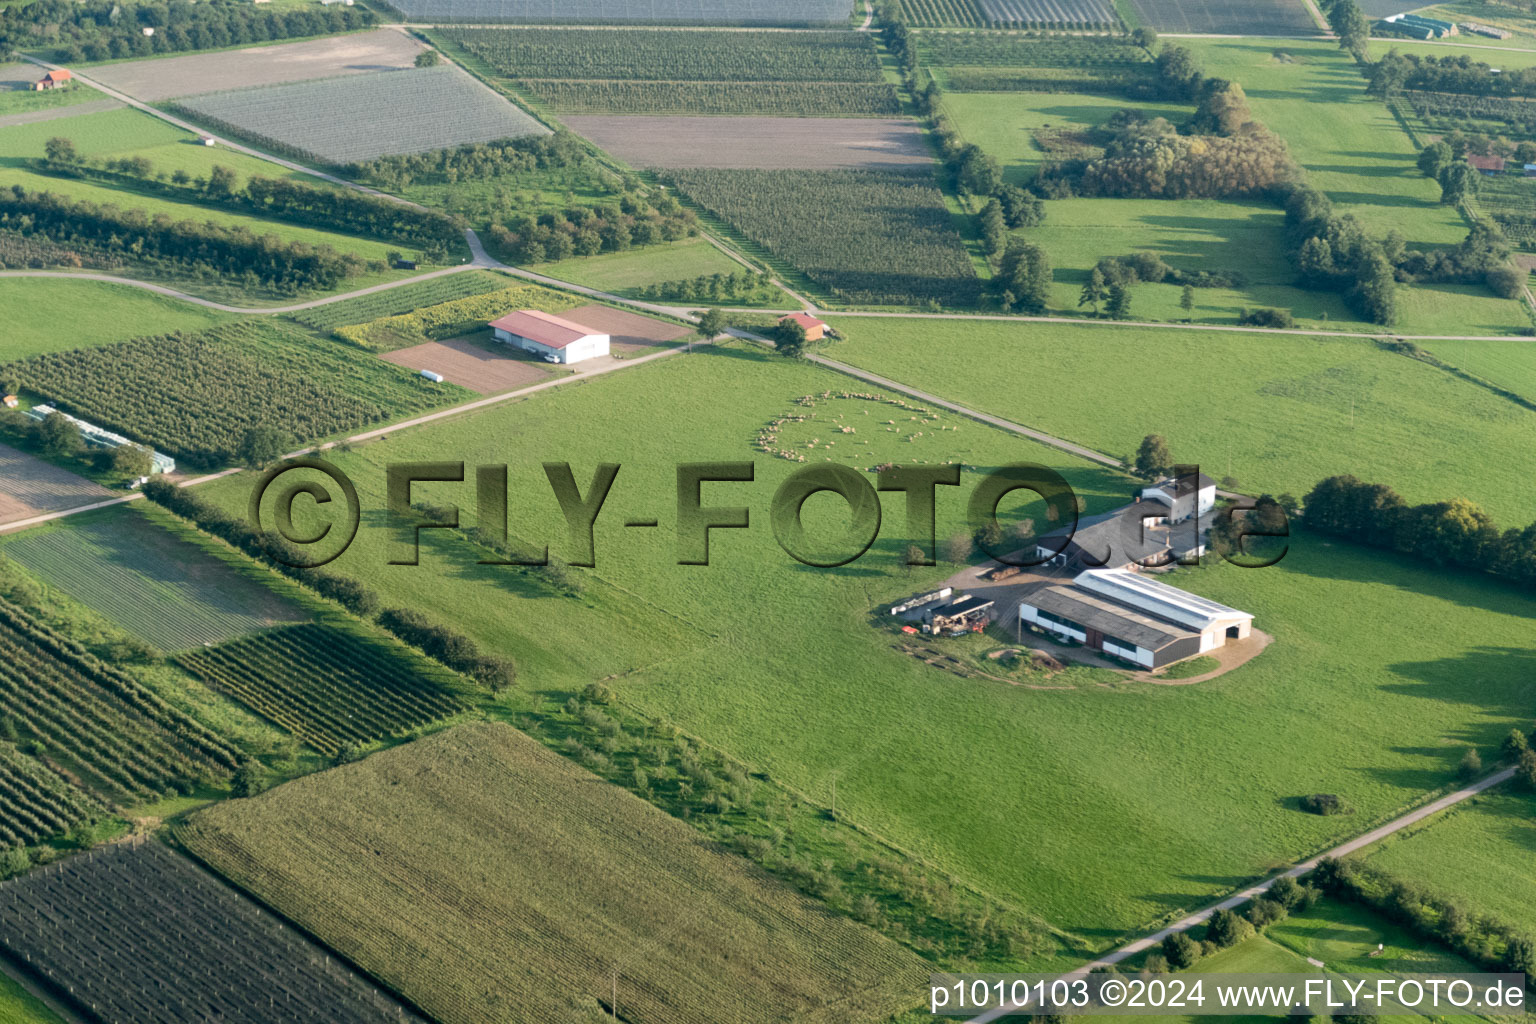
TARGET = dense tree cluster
(1460,73)
(1455,533)
(1494,944)
(474,161)
(17,252)
(589,230)
(738,288)
(1149,267)
(1350,24)
(1151,159)
(1266,316)
(109,30)
(1024,277)
(433,233)
(134,234)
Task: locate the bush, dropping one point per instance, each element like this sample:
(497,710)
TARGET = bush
(1324,804)
(1267,317)
(1181,951)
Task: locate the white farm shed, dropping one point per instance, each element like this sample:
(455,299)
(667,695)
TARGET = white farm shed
(1185,496)
(545,334)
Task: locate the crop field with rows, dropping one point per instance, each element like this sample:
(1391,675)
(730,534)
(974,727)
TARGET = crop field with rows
(664,55)
(1511,202)
(1069,15)
(195,395)
(865,236)
(451,318)
(1494,115)
(326,687)
(1005,49)
(659,71)
(578,888)
(942,13)
(156,586)
(360,117)
(36,804)
(697,12)
(394,301)
(115,739)
(1239,17)
(1087,81)
(135,932)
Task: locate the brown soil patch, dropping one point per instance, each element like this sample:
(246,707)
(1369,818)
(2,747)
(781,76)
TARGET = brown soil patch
(190,75)
(762,143)
(628,332)
(29,487)
(485,367)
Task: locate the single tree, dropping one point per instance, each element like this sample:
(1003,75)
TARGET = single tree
(1525,769)
(1227,929)
(1119,302)
(61,151)
(1093,291)
(1153,460)
(1187,300)
(1471,765)
(789,338)
(428,59)
(59,435)
(957,550)
(1514,745)
(1520,956)
(1434,158)
(1182,951)
(1287,892)
(711,326)
(1144,37)
(221,183)
(262,445)
(132,461)
(1457,181)
(250,779)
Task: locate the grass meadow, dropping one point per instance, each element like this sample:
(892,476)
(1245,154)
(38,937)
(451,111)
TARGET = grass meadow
(53,315)
(1278,412)
(621,272)
(1478,853)
(1350,144)
(18,1006)
(1100,807)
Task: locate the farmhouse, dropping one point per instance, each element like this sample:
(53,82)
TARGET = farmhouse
(10,401)
(1131,537)
(1134,618)
(1486,164)
(54,79)
(815,329)
(547,335)
(1185,496)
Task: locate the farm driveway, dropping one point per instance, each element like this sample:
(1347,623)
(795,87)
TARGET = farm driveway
(767,143)
(29,486)
(171,77)
(473,364)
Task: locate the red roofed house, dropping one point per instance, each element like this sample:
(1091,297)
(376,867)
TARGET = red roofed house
(53,79)
(815,329)
(1487,164)
(556,339)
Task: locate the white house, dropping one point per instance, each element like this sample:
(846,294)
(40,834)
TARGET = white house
(1184,495)
(545,334)
(1133,617)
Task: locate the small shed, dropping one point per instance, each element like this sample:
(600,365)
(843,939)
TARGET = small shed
(1530,170)
(1489,165)
(54,79)
(815,329)
(10,401)
(206,140)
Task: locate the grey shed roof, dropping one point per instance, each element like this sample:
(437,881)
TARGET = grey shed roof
(1118,534)
(1106,616)
(964,605)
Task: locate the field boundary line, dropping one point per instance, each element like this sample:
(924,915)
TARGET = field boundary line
(1237,899)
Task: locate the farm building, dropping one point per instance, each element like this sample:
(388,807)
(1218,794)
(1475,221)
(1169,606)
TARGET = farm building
(815,329)
(1486,164)
(547,335)
(1530,170)
(96,437)
(1129,538)
(54,79)
(1491,32)
(1421,27)
(1184,496)
(1132,617)
(965,614)
(10,401)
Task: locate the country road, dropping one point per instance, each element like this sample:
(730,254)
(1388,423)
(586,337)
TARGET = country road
(1343,849)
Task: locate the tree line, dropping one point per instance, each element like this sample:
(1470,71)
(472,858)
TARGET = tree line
(445,645)
(1453,534)
(284,266)
(589,230)
(98,30)
(434,233)
(1395,72)
(474,161)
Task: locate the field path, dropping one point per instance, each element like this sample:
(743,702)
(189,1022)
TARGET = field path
(1343,849)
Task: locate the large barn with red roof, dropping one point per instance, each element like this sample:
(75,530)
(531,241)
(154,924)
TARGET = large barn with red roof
(554,338)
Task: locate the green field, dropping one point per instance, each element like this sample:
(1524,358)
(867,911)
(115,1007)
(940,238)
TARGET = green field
(522,885)
(51,315)
(17,1006)
(404,299)
(621,272)
(1344,935)
(1277,412)
(1478,853)
(25,101)
(157,587)
(1349,143)
(777,664)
